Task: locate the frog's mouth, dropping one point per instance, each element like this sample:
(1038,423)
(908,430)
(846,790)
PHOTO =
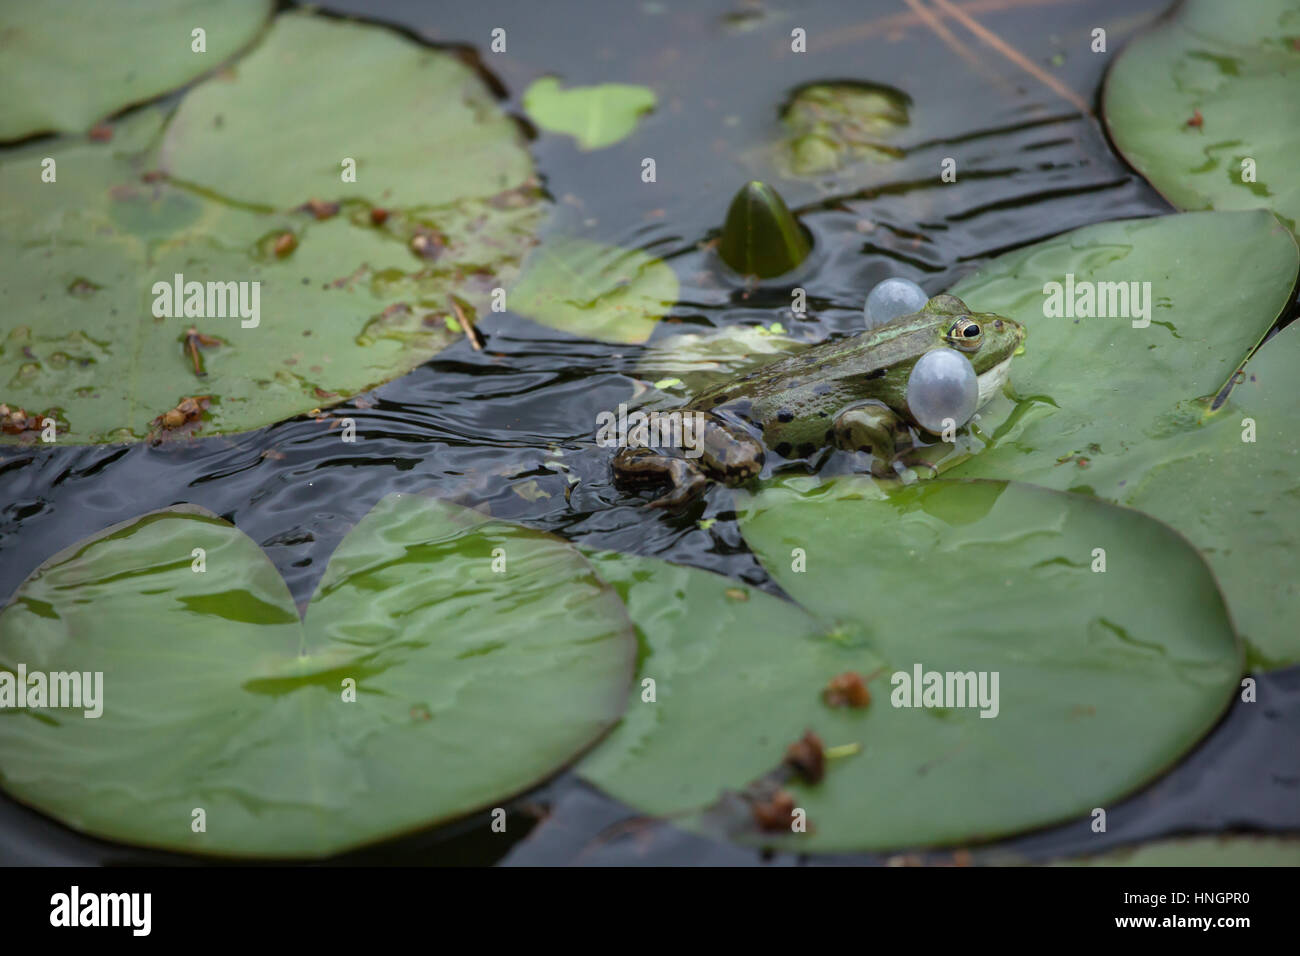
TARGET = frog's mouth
(991,382)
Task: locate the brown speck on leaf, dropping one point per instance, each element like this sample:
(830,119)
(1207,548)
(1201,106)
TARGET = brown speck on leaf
(285,244)
(15,421)
(101,133)
(846,690)
(774,813)
(378,216)
(187,410)
(1197,119)
(737,594)
(194,340)
(319,208)
(322,394)
(807,757)
(427,244)
(153,175)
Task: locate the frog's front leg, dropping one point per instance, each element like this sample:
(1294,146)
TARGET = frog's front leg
(644,466)
(873,429)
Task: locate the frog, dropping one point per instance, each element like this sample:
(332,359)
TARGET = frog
(848,393)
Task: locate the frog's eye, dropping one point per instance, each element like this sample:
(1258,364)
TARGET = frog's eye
(966,334)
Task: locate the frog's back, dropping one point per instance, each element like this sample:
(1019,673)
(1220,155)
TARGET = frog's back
(790,403)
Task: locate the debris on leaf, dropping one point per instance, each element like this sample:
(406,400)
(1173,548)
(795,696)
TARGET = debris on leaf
(378,216)
(846,690)
(319,208)
(774,813)
(1197,119)
(101,133)
(807,757)
(285,244)
(427,244)
(194,340)
(15,421)
(188,410)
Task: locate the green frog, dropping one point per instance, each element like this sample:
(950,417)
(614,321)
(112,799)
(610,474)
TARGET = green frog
(848,393)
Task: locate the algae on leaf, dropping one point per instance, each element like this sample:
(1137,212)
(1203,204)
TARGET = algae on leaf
(424,681)
(65,64)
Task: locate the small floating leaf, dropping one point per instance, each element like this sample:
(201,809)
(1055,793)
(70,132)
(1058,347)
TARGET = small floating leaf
(1207,106)
(832,125)
(471,683)
(596,116)
(593,290)
(761,237)
(66,64)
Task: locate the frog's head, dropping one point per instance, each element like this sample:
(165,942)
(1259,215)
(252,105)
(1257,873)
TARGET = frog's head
(986,338)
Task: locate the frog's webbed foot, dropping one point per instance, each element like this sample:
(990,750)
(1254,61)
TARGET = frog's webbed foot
(873,429)
(643,466)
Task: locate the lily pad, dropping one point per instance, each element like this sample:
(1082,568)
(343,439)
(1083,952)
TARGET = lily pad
(66,64)
(1206,106)
(596,116)
(1127,414)
(593,290)
(830,126)
(1201,851)
(420,125)
(473,680)
(734,673)
(695,360)
(346,306)
(991,578)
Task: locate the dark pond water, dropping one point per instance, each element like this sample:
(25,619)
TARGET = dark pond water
(475,426)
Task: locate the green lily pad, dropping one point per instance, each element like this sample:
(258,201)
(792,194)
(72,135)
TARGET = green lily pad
(1201,851)
(593,290)
(420,125)
(736,673)
(349,306)
(66,64)
(471,683)
(1100,407)
(1215,85)
(596,116)
(830,126)
(986,577)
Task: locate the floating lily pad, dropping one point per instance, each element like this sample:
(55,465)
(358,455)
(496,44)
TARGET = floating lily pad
(833,125)
(692,361)
(596,116)
(971,577)
(1203,92)
(344,305)
(1201,851)
(1098,406)
(472,683)
(736,674)
(419,124)
(65,64)
(593,290)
